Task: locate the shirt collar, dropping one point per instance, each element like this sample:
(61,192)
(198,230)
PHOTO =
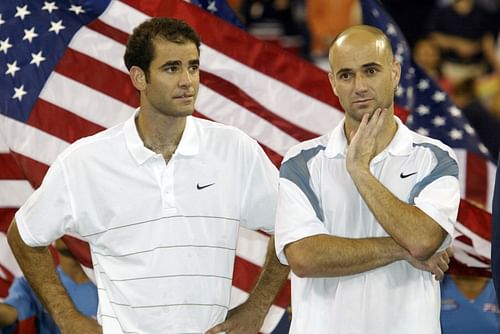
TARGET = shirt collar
(188,146)
(401,144)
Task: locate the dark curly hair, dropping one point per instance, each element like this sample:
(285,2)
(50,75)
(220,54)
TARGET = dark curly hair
(140,49)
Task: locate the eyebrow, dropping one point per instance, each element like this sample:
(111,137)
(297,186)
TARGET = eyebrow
(364,66)
(178,62)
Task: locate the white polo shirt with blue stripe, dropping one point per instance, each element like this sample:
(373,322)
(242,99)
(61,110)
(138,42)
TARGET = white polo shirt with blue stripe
(317,196)
(162,235)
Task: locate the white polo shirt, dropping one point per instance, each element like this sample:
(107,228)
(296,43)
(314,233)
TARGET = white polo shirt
(162,236)
(318,196)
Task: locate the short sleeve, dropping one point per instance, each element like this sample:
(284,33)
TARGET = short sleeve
(440,200)
(260,192)
(47,214)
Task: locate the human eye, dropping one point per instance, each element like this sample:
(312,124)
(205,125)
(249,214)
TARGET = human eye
(171,68)
(194,67)
(372,70)
(345,75)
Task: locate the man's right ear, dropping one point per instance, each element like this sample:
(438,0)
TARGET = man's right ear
(138,78)
(332,82)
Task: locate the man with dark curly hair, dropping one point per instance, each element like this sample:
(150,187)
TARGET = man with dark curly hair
(160,200)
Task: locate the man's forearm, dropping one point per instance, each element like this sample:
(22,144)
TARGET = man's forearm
(331,256)
(270,281)
(38,268)
(410,227)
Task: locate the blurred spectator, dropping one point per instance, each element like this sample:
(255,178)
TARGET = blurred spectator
(484,123)
(409,15)
(465,34)
(278,21)
(327,18)
(426,55)
(22,311)
(469,305)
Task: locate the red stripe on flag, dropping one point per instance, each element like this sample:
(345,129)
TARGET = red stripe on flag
(476,179)
(232,92)
(60,122)
(234,42)
(34,170)
(80,249)
(245,276)
(276,158)
(6,216)
(110,81)
(475,219)
(10,169)
(105,29)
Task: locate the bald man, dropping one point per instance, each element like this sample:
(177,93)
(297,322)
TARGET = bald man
(366,212)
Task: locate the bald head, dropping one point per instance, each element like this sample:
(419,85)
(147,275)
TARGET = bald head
(361,35)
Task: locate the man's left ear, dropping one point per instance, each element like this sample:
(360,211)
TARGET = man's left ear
(396,73)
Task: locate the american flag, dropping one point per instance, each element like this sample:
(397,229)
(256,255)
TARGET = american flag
(62,77)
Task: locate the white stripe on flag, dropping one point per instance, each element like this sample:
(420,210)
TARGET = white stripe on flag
(13,193)
(481,246)
(252,246)
(100,47)
(223,110)
(31,142)
(84,101)
(123,17)
(293,105)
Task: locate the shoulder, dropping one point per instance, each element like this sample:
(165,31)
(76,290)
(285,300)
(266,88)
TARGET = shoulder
(307,149)
(93,144)
(222,133)
(431,145)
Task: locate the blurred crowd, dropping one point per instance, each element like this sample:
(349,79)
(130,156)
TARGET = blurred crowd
(456,41)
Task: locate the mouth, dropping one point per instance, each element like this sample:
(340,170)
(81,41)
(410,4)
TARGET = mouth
(186,97)
(362,101)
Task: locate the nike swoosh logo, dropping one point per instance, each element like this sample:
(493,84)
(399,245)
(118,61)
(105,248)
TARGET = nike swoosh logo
(204,186)
(403,176)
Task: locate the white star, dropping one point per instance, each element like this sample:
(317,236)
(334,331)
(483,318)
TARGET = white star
(30,34)
(49,6)
(76,9)
(211,7)
(456,134)
(56,26)
(19,93)
(399,58)
(409,93)
(469,129)
(1,20)
(22,12)
(409,120)
(375,13)
(483,148)
(423,131)
(12,68)
(37,58)
(411,70)
(439,96)
(455,112)
(400,91)
(422,110)
(391,30)
(5,45)
(438,121)
(423,84)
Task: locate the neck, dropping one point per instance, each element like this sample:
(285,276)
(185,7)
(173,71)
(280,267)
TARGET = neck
(160,133)
(383,139)
(470,286)
(73,269)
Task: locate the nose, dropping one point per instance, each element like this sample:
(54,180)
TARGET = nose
(186,78)
(359,84)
